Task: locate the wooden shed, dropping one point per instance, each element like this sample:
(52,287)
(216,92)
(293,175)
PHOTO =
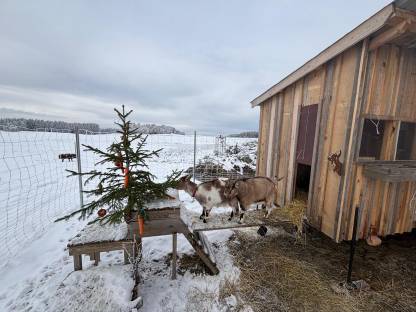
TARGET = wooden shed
(356,102)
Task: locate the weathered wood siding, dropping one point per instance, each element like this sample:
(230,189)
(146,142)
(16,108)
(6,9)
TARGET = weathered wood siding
(352,86)
(390,95)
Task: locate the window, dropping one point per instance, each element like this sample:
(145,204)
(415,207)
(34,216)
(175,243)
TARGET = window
(372,138)
(406,145)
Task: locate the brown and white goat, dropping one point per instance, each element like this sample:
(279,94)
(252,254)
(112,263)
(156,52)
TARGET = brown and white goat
(253,190)
(209,194)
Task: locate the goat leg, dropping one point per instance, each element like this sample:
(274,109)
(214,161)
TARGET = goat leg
(243,208)
(231,216)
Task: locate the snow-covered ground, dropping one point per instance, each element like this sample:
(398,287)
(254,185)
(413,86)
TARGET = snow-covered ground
(36,273)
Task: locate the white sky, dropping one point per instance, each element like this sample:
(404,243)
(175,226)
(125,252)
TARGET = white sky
(189,64)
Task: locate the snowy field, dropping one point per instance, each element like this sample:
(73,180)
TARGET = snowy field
(36,272)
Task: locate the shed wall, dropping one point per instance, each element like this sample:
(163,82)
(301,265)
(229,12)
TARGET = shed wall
(389,92)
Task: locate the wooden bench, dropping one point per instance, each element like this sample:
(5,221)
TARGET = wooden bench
(96,238)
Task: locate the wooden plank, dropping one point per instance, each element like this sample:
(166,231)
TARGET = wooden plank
(328,181)
(389,35)
(266,138)
(351,94)
(161,227)
(206,244)
(90,248)
(384,81)
(259,146)
(77,262)
(406,108)
(387,117)
(174,254)
(309,207)
(391,175)
(126,256)
(287,103)
(96,258)
(272,126)
(276,144)
(200,252)
(365,29)
(322,120)
(297,102)
(350,146)
(314,83)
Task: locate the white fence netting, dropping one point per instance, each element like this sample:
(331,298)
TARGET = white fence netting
(35,189)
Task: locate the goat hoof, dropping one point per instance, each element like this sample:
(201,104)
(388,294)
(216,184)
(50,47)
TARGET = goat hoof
(205,221)
(229,219)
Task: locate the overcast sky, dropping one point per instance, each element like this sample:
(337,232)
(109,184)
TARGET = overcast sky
(189,64)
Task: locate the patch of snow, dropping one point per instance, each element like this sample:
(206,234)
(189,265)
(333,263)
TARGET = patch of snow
(37,272)
(97,232)
(189,292)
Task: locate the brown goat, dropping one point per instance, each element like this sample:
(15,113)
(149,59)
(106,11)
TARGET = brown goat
(209,194)
(253,190)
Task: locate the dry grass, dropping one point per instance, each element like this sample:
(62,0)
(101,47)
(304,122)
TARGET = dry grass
(294,212)
(278,275)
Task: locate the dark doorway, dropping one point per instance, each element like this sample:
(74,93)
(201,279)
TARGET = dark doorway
(303,177)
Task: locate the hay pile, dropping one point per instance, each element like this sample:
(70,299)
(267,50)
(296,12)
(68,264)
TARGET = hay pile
(294,212)
(272,281)
(278,275)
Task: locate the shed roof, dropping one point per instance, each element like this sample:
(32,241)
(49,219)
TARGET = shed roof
(365,29)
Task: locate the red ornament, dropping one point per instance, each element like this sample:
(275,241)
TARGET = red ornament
(102,212)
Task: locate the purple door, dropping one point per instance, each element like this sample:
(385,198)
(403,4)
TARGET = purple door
(306,134)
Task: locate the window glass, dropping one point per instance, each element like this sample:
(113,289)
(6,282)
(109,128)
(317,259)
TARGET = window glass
(406,148)
(372,138)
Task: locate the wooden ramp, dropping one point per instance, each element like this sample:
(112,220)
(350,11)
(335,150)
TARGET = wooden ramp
(219,220)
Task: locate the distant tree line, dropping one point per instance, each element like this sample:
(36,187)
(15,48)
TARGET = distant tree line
(16,124)
(46,125)
(246,134)
(156,129)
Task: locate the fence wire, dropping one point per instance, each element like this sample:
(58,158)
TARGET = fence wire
(35,188)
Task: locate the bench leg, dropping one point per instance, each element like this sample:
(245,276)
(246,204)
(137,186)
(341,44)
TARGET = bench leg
(77,262)
(126,257)
(95,256)
(174,250)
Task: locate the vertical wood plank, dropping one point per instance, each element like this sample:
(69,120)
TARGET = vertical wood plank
(297,102)
(352,137)
(322,120)
(271,141)
(278,135)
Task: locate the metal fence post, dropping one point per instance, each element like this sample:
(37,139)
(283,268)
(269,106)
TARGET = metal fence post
(193,169)
(352,245)
(78,153)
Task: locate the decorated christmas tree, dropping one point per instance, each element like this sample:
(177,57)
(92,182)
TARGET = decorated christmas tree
(125,187)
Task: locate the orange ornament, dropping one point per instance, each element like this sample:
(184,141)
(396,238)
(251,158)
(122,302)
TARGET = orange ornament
(102,212)
(140,221)
(126,177)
